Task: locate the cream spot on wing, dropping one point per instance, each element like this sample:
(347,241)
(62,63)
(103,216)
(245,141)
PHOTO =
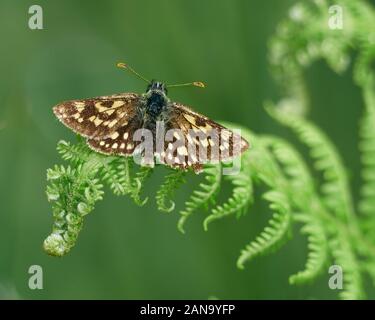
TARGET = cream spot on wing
(170,146)
(117,104)
(110,111)
(189,118)
(102,143)
(99,107)
(129,146)
(98,122)
(126,135)
(114,135)
(80,120)
(112,123)
(92,118)
(105,123)
(80,106)
(107,145)
(76,115)
(122,146)
(115,145)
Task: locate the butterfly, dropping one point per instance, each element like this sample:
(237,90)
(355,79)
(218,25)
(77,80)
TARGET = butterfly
(117,125)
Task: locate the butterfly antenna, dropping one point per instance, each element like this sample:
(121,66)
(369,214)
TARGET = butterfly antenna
(190,84)
(127,67)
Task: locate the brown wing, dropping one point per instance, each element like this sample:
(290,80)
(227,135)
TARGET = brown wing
(120,142)
(205,140)
(98,117)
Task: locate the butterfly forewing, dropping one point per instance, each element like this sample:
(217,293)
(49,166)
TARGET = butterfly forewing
(98,117)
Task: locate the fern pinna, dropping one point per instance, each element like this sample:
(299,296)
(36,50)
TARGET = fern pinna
(338,230)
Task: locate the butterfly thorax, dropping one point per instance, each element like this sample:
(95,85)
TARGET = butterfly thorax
(156,100)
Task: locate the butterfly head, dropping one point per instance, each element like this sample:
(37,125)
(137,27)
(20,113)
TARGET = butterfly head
(157,86)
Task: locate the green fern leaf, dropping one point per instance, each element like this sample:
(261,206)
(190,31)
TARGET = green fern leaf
(76,153)
(73,193)
(367,147)
(274,234)
(240,199)
(166,191)
(318,251)
(204,196)
(304,198)
(139,181)
(335,187)
(344,257)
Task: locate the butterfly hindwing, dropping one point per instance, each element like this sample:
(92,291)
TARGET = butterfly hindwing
(120,142)
(97,117)
(205,141)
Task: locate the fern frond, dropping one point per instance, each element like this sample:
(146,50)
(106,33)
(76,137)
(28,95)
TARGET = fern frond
(76,153)
(118,175)
(139,181)
(272,235)
(367,148)
(335,187)
(303,198)
(204,196)
(122,169)
(240,199)
(369,268)
(116,178)
(344,257)
(73,193)
(301,185)
(166,191)
(317,257)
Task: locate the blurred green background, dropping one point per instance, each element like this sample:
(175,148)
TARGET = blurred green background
(126,252)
